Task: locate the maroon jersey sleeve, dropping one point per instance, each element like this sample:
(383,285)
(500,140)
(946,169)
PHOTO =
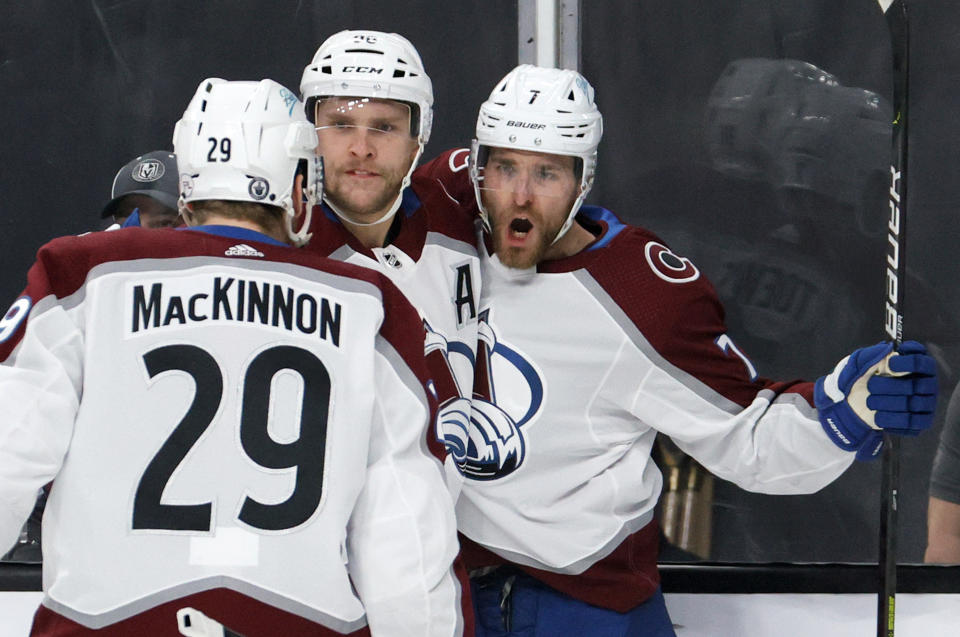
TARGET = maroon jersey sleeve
(681,316)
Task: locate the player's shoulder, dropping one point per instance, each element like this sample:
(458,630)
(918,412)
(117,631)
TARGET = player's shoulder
(359,274)
(446,195)
(125,243)
(401,326)
(327,232)
(451,167)
(614,233)
(68,260)
(100,242)
(622,246)
(71,259)
(638,269)
(363,278)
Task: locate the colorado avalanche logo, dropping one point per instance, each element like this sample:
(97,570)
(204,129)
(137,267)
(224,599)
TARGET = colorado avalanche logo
(453,414)
(496,446)
(669,266)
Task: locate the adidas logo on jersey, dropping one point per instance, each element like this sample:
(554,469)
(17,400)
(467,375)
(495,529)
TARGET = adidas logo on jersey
(242,250)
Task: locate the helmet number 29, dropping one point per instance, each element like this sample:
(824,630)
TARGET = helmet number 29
(305,454)
(223,145)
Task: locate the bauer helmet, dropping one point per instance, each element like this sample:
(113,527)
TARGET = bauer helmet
(248,141)
(542,110)
(372,64)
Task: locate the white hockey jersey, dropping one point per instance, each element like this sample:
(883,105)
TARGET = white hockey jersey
(582,361)
(433,260)
(230,425)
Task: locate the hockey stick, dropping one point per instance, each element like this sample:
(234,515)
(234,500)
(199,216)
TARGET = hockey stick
(896,15)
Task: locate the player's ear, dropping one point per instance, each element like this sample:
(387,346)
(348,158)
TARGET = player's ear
(298,201)
(298,194)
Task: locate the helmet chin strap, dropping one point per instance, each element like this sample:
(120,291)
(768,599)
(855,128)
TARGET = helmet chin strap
(396,202)
(568,223)
(344,217)
(574,209)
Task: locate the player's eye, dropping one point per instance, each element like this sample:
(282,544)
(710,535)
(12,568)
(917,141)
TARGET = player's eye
(547,174)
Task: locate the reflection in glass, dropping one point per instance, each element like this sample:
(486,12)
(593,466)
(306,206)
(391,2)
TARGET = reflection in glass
(754,139)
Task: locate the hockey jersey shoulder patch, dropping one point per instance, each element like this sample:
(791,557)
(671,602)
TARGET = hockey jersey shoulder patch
(669,266)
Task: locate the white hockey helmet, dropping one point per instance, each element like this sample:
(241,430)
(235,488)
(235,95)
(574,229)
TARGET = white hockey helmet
(543,110)
(372,64)
(248,141)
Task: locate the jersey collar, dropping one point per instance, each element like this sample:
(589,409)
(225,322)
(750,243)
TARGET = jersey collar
(409,238)
(603,224)
(235,232)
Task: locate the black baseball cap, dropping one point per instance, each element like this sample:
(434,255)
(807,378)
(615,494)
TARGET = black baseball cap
(153,174)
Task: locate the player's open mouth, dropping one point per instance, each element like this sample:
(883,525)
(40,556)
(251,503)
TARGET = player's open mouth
(361,173)
(519,227)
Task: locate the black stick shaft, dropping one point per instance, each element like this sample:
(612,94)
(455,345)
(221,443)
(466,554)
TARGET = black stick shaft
(886,599)
(896,271)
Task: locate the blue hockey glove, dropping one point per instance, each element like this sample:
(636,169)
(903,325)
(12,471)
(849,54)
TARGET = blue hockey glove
(875,390)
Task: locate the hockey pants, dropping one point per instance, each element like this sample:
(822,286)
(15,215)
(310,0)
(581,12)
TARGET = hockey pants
(509,603)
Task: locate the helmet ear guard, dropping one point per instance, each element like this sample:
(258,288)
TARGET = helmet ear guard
(541,110)
(247,141)
(311,190)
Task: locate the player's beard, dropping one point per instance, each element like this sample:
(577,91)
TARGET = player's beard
(529,255)
(364,205)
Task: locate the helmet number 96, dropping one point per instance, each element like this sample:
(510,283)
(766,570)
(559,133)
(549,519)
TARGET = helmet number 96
(223,145)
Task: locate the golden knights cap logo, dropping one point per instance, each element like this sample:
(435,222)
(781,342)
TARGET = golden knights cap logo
(147,170)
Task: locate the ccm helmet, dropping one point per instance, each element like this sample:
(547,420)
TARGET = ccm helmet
(248,141)
(372,64)
(543,110)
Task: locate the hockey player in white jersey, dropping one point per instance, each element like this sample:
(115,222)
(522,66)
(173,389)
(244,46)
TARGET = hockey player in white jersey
(372,103)
(595,337)
(265,465)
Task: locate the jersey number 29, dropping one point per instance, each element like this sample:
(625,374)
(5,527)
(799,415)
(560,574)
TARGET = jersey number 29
(306,453)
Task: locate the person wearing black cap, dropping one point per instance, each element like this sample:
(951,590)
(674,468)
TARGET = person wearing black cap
(145,192)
